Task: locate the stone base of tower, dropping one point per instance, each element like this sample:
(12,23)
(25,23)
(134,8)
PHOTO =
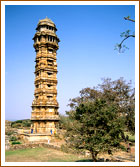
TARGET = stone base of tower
(44,126)
(37,137)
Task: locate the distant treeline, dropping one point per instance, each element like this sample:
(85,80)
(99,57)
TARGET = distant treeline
(21,123)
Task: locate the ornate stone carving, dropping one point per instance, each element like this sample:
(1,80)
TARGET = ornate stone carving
(44,114)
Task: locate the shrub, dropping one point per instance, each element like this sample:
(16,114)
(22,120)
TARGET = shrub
(13,138)
(21,123)
(9,133)
(16,125)
(16,142)
(65,149)
(26,124)
(123,148)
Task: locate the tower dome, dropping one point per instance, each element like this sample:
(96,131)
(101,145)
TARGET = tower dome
(46,22)
(46,34)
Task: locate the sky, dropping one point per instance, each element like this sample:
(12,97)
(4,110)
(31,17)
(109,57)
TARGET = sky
(86,52)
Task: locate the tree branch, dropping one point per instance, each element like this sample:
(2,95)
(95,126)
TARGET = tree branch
(126,38)
(127,18)
(120,45)
(126,35)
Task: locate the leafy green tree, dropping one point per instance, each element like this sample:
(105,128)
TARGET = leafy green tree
(118,92)
(100,117)
(96,128)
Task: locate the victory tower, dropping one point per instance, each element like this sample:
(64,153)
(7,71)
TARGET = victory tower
(44,114)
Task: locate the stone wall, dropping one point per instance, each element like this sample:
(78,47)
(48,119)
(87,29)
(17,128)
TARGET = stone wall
(34,145)
(7,126)
(7,143)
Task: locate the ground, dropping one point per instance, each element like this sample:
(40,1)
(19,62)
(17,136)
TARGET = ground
(53,155)
(40,155)
(121,156)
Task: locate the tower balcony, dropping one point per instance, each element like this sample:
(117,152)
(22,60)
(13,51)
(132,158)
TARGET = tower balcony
(44,90)
(45,55)
(51,68)
(51,56)
(45,32)
(54,44)
(47,113)
(38,102)
(48,79)
(45,117)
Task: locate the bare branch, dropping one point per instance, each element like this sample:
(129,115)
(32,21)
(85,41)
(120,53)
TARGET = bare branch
(120,45)
(127,18)
(126,38)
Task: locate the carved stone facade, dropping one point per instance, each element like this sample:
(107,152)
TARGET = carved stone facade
(45,114)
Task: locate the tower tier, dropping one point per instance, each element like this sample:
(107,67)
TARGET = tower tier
(44,113)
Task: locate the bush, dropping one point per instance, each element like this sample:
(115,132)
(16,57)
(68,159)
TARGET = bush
(65,149)
(123,148)
(26,124)
(13,138)
(9,133)
(64,122)
(16,125)
(131,137)
(16,142)
(21,123)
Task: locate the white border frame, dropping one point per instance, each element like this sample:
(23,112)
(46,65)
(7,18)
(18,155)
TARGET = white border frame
(3,3)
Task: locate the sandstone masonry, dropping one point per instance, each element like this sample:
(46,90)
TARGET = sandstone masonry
(44,114)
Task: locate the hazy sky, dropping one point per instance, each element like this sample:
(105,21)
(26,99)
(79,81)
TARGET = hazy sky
(86,52)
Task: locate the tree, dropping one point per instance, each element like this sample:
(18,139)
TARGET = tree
(125,35)
(63,122)
(123,95)
(118,92)
(100,117)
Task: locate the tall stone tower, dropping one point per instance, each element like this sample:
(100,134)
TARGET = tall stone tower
(44,114)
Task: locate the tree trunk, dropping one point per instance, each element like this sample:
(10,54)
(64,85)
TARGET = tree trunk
(94,156)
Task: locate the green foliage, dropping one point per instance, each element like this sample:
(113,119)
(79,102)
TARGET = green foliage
(123,148)
(96,128)
(118,93)
(16,125)
(13,138)
(131,137)
(16,142)
(126,33)
(21,123)
(64,122)
(121,48)
(100,117)
(9,133)
(64,148)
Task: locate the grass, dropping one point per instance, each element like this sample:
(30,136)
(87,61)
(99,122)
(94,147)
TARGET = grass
(53,155)
(42,155)
(131,137)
